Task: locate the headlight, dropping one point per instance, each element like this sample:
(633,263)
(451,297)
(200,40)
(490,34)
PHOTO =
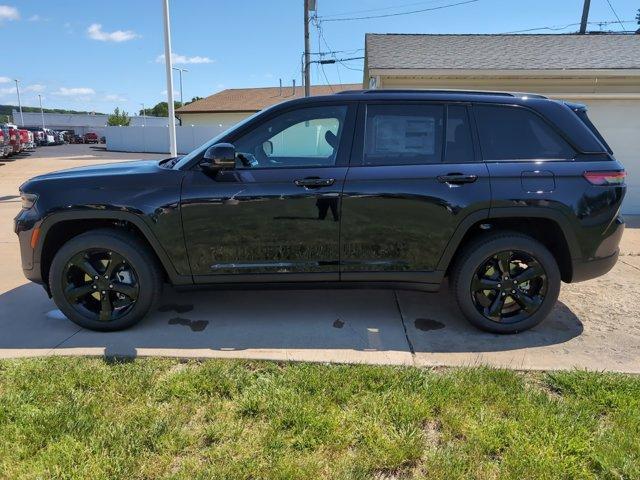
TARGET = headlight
(28,200)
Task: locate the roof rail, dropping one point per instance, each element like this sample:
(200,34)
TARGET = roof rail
(445,92)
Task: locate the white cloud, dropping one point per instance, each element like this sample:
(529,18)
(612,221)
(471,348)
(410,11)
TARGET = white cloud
(36,87)
(5,80)
(113,97)
(75,92)
(96,33)
(183,59)
(9,13)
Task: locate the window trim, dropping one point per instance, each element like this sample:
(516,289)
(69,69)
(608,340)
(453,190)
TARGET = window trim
(552,126)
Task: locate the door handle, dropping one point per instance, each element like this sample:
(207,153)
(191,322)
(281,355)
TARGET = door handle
(314,182)
(457,178)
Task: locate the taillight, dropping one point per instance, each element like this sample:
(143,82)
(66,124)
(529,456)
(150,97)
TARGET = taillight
(606,178)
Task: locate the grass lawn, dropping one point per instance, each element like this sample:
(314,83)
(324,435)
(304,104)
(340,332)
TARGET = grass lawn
(152,418)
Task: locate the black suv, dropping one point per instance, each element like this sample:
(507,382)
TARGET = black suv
(505,194)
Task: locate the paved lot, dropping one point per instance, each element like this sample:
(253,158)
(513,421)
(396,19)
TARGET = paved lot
(596,324)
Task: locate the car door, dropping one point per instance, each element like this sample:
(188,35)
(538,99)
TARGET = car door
(415,177)
(276,216)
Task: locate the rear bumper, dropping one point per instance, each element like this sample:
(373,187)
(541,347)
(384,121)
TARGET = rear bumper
(586,270)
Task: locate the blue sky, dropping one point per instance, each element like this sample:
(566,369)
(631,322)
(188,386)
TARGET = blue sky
(96,55)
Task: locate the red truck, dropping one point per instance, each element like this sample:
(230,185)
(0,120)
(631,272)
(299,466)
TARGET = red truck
(91,138)
(5,150)
(26,139)
(14,139)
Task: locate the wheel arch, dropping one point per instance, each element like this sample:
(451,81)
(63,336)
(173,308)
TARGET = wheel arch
(546,225)
(60,227)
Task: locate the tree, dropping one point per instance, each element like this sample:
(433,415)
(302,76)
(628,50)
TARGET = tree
(638,20)
(161,109)
(119,118)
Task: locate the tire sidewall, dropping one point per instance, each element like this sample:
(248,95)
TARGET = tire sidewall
(131,251)
(479,253)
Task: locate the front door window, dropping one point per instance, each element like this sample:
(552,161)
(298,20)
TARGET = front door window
(307,137)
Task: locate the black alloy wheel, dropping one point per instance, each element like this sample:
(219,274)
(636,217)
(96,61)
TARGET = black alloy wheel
(105,279)
(100,283)
(509,286)
(505,282)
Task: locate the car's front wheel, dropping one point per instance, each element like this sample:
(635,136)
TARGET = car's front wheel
(506,282)
(105,280)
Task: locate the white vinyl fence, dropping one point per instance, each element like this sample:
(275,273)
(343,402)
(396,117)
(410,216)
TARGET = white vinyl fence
(156,139)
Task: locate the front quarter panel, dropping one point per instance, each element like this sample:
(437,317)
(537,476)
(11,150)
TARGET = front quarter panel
(148,197)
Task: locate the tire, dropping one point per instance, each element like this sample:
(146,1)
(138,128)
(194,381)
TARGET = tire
(142,272)
(485,251)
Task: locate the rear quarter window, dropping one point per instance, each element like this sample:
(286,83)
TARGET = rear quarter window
(515,133)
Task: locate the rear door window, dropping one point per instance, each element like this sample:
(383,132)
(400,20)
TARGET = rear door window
(459,142)
(515,133)
(403,134)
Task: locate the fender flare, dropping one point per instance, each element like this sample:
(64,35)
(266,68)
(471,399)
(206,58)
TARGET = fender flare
(145,230)
(508,212)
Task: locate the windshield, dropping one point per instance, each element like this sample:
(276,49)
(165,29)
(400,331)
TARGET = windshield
(190,156)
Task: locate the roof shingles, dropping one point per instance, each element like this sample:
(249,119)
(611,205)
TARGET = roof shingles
(255,99)
(502,52)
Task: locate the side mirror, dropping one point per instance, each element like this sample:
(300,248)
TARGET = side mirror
(267,147)
(219,156)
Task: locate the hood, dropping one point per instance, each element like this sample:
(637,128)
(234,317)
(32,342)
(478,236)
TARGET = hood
(108,169)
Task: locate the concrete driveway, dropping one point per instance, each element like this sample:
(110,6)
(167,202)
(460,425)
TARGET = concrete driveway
(595,326)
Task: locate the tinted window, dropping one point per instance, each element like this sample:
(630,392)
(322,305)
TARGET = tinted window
(459,147)
(403,134)
(513,133)
(307,137)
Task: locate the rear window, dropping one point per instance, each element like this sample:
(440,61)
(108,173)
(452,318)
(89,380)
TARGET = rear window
(582,115)
(515,133)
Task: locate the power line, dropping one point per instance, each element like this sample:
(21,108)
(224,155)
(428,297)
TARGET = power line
(379,9)
(398,13)
(614,12)
(557,28)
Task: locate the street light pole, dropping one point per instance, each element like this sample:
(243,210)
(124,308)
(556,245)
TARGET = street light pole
(144,116)
(41,111)
(173,148)
(307,76)
(180,70)
(19,103)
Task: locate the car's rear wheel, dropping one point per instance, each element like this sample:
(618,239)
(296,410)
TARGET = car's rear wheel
(105,280)
(506,282)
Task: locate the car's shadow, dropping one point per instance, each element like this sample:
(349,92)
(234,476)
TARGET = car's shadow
(272,322)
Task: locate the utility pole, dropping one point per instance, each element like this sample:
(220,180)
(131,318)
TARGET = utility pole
(19,103)
(173,147)
(307,74)
(181,70)
(144,116)
(41,111)
(585,16)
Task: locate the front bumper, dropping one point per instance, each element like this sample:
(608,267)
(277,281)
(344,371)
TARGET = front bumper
(24,225)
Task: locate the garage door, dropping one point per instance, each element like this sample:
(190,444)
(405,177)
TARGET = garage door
(619,123)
